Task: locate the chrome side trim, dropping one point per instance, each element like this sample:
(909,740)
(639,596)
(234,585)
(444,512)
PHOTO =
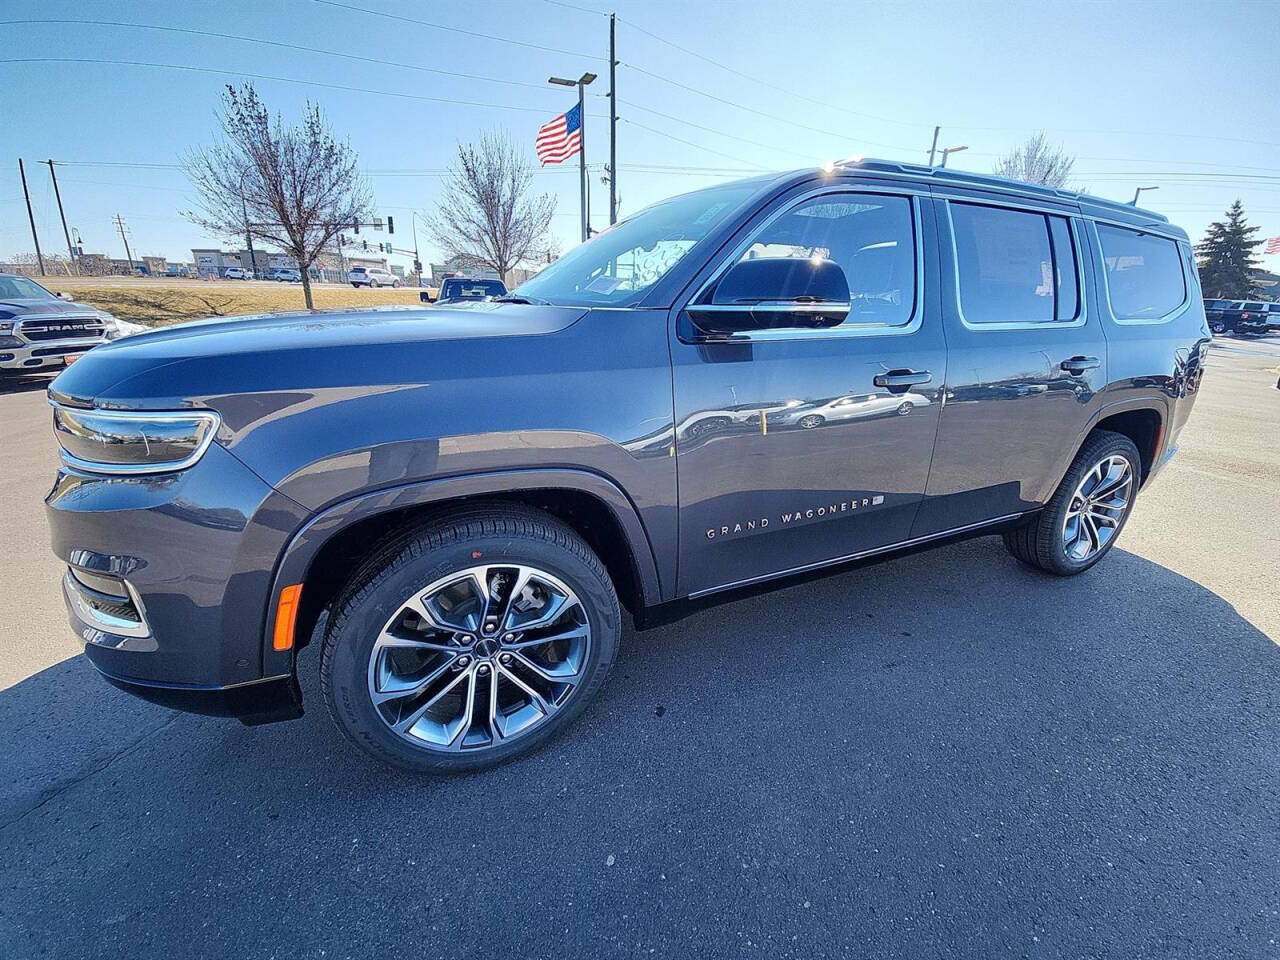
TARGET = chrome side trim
(835,561)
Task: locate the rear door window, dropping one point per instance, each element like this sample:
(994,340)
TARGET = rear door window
(1145,280)
(1014,266)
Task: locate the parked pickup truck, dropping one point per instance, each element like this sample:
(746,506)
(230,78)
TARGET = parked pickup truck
(1238,317)
(757,380)
(40,330)
(465,289)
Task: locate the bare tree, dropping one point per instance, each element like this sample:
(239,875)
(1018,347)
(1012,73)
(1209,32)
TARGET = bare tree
(292,187)
(488,215)
(1036,161)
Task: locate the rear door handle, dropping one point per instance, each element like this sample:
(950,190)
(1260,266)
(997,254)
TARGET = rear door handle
(1080,364)
(898,380)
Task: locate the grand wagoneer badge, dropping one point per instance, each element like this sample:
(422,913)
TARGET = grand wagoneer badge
(824,511)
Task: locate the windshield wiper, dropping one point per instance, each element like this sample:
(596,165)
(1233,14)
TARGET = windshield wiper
(512,298)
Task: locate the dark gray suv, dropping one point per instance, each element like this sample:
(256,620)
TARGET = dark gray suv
(748,382)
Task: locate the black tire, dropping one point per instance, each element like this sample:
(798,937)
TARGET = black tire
(500,533)
(811,422)
(1040,542)
(395,284)
(356,285)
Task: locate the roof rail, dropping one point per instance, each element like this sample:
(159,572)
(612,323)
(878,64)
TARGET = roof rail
(966,178)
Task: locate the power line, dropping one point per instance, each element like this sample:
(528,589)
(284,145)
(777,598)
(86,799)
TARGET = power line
(259,76)
(718,133)
(688,143)
(759,113)
(468,33)
(763,83)
(283,45)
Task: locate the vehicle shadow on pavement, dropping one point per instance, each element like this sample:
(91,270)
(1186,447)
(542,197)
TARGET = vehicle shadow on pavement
(24,384)
(947,754)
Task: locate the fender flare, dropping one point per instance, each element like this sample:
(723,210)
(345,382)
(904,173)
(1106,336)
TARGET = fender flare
(296,559)
(1157,404)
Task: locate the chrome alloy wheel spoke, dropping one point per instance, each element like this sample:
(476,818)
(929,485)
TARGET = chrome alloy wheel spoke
(479,657)
(1097,507)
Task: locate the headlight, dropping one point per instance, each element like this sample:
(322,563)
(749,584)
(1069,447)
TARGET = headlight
(6,326)
(119,441)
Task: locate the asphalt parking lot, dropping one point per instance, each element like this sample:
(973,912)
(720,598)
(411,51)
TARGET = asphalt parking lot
(944,755)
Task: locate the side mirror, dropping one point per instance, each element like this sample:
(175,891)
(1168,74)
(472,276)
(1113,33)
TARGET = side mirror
(773,293)
(62,295)
(426,297)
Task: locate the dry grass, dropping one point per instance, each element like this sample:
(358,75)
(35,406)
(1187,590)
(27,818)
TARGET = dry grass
(158,303)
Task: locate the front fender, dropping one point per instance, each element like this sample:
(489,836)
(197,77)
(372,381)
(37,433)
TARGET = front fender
(297,558)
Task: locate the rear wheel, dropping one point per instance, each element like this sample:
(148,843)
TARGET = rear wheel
(1080,524)
(470,641)
(395,284)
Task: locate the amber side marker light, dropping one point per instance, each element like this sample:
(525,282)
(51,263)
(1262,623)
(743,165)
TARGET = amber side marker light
(286,617)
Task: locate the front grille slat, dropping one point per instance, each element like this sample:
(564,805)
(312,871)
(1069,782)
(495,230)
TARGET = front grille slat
(61,328)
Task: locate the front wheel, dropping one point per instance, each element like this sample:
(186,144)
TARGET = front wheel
(1080,523)
(395,284)
(470,641)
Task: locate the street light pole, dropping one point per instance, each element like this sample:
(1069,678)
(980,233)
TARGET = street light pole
(1136,192)
(947,151)
(581,84)
(71,251)
(933,150)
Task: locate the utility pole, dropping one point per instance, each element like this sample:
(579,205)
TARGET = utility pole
(128,256)
(613,125)
(934,149)
(31,216)
(71,251)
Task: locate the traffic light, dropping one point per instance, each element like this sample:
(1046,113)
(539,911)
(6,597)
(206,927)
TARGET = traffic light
(391,224)
(417,266)
(389,250)
(364,244)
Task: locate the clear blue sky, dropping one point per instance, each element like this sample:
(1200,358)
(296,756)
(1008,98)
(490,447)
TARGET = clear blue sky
(1178,95)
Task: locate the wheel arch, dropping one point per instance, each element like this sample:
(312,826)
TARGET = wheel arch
(326,551)
(1142,420)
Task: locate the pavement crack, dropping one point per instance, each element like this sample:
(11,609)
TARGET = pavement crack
(92,771)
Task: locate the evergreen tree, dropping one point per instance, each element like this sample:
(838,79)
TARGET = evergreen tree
(1226,257)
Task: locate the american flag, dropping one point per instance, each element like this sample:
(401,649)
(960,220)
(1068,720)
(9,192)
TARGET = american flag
(560,138)
(1273,245)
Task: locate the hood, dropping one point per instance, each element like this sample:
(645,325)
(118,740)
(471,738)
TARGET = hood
(20,309)
(191,362)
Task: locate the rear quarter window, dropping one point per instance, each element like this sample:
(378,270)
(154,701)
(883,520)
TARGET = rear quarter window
(1145,280)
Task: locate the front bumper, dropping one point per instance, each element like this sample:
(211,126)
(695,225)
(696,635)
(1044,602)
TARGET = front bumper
(38,354)
(192,553)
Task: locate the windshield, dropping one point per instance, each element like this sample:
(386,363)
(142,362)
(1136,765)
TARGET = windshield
(20,288)
(617,267)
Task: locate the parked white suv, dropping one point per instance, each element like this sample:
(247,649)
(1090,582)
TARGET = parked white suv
(372,277)
(238,273)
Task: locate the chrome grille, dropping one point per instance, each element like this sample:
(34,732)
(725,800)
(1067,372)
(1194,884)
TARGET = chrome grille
(61,328)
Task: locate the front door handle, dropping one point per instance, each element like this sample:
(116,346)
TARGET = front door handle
(897,381)
(1080,364)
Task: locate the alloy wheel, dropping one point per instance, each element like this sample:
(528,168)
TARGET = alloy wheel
(1097,507)
(479,658)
